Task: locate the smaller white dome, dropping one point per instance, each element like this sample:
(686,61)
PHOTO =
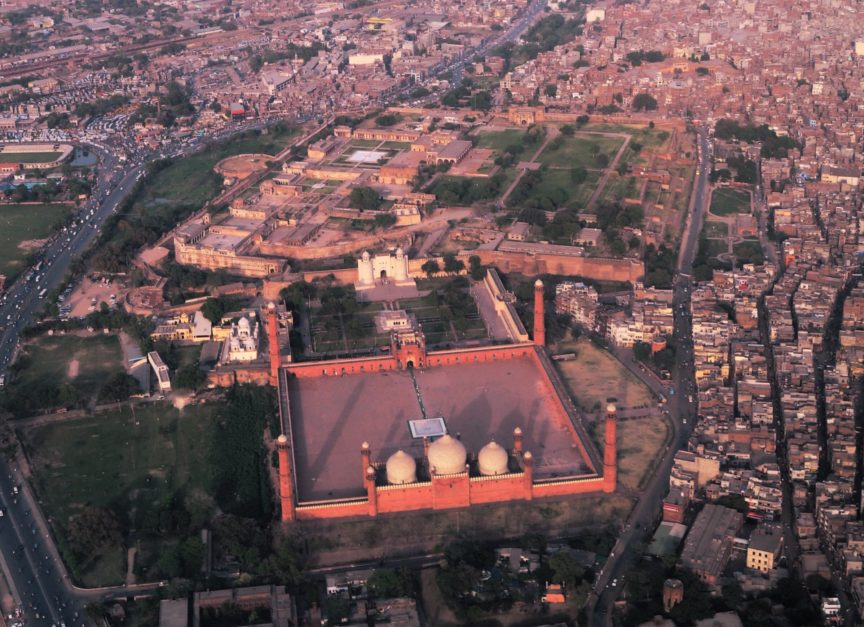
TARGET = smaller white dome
(538,283)
(492,459)
(401,468)
(447,455)
(610,408)
(399,252)
(365,255)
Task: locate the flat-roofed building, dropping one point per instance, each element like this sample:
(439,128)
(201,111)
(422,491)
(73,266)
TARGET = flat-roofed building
(764,549)
(709,543)
(163,380)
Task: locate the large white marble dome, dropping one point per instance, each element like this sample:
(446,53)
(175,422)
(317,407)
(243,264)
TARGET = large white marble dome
(447,455)
(401,468)
(492,459)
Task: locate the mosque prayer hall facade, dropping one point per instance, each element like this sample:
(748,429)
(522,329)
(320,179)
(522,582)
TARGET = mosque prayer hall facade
(431,430)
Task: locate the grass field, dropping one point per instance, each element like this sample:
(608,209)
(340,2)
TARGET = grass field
(361,144)
(716,229)
(21,223)
(580,150)
(713,247)
(192,181)
(726,202)
(355,331)
(436,316)
(640,445)
(552,179)
(85,363)
(499,140)
(29,157)
(130,461)
(596,375)
(749,251)
(620,187)
(648,137)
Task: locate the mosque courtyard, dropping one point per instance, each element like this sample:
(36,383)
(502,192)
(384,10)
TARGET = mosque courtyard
(332,417)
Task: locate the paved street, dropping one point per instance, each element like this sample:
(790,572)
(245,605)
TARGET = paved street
(681,410)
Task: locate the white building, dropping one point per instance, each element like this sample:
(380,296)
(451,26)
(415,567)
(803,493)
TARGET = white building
(382,269)
(163,380)
(242,342)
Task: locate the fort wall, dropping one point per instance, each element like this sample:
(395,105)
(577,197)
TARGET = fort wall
(596,268)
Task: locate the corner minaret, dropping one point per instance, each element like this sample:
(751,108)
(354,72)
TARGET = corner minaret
(286,488)
(365,458)
(610,452)
(273,344)
(539,312)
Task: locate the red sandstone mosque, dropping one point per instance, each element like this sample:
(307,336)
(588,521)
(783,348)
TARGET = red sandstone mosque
(419,429)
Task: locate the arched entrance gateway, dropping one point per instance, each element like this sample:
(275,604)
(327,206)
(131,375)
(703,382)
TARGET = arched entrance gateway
(409,348)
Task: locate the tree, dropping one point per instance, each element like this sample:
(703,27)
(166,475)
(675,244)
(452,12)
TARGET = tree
(118,387)
(477,269)
(190,377)
(191,553)
(452,265)
(565,569)
(567,130)
(387,582)
(364,198)
(388,119)
(642,351)
(578,175)
(296,294)
(93,529)
(431,267)
(213,309)
(644,102)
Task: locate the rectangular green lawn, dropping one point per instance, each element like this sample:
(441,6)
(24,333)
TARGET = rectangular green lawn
(725,202)
(499,140)
(21,223)
(580,150)
(648,137)
(578,194)
(10,156)
(51,357)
